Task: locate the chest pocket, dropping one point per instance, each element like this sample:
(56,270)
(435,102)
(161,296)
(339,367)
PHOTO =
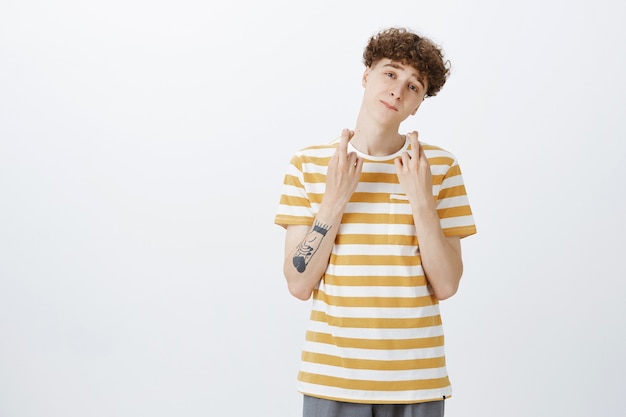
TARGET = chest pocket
(399,204)
(400,223)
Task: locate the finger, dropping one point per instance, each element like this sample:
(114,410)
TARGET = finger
(415,145)
(403,160)
(346,135)
(358,165)
(352,158)
(423,158)
(406,158)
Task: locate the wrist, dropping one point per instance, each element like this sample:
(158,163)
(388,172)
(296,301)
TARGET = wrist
(330,213)
(426,215)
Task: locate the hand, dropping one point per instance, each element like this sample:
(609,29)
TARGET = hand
(344,172)
(413,171)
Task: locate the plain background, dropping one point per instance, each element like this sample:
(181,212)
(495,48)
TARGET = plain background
(142,150)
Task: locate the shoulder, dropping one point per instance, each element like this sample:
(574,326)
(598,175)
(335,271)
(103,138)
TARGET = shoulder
(319,149)
(438,155)
(317,154)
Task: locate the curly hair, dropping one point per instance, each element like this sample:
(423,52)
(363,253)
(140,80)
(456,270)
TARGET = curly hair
(402,45)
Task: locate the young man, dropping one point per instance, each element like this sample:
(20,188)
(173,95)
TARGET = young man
(373,226)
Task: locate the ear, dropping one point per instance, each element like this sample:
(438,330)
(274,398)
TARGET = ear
(365,75)
(415,111)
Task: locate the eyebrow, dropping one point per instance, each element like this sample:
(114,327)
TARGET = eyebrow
(419,77)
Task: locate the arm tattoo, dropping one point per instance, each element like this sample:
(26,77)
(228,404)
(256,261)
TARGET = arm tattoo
(309,245)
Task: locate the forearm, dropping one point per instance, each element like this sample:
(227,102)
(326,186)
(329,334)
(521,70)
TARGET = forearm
(441,256)
(306,257)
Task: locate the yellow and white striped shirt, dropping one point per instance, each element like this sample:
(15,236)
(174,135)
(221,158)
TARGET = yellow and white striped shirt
(375,333)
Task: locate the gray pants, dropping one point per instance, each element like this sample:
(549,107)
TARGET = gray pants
(318,407)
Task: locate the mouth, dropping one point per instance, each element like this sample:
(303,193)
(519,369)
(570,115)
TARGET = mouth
(389,106)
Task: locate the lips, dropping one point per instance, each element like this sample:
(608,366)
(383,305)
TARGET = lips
(389,106)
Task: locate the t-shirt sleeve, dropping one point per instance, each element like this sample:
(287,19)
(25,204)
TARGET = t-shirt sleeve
(453,207)
(294,207)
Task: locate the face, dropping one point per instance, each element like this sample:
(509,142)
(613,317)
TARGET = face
(393,91)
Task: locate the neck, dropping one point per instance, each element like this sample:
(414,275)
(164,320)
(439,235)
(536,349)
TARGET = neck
(376,140)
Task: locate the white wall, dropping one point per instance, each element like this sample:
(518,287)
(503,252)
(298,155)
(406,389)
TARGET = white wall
(142,147)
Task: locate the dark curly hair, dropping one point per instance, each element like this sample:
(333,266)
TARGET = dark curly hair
(402,45)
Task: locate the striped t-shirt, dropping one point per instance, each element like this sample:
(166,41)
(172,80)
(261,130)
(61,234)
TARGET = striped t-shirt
(375,333)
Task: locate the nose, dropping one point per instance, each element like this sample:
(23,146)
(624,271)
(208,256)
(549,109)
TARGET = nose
(395,93)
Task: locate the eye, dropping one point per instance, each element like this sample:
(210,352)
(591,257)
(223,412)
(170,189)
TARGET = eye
(414,88)
(389,74)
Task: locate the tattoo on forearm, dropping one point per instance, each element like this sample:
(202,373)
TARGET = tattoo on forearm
(309,245)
